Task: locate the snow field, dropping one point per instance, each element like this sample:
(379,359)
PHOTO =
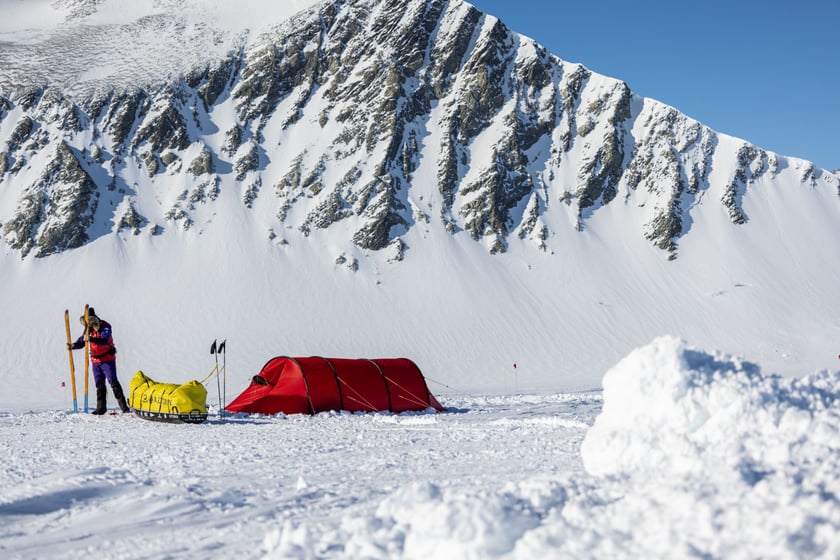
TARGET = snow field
(684,454)
(224,487)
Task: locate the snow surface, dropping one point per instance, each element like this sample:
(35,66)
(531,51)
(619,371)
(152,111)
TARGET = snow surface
(85,45)
(684,454)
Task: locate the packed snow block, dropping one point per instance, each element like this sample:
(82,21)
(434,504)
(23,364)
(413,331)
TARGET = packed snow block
(315,384)
(168,402)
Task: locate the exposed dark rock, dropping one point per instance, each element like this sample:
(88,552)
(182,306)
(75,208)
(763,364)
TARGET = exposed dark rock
(131,219)
(202,164)
(234,140)
(56,211)
(247,162)
(599,175)
(184,204)
(251,192)
(151,162)
(330,210)
(447,56)
(486,72)
(163,128)
(124,111)
(312,182)
(488,201)
(54,108)
(28,97)
(274,70)
(382,212)
(168,158)
(752,163)
(21,133)
(217,79)
(665,227)
(570,93)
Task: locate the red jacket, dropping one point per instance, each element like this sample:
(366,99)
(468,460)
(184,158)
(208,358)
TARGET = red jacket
(102,347)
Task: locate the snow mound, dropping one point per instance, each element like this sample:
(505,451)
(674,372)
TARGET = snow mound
(671,410)
(423,520)
(706,447)
(693,455)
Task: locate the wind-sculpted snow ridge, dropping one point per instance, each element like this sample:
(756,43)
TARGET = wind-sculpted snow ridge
(693,455)
(372,122)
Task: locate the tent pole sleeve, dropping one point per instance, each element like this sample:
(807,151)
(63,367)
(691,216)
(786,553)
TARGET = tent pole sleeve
(337,383)
(385,381)
(305,384)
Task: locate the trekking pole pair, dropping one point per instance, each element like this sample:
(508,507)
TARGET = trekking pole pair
(215,350)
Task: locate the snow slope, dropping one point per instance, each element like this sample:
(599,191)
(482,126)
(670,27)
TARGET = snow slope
(564,315)
(464,316)
(685,454)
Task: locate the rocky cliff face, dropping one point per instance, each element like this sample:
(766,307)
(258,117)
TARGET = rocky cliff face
(367,118)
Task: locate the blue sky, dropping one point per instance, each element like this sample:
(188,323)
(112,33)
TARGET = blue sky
(765,71)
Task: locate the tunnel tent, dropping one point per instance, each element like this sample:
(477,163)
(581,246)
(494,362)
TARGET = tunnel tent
(315,384)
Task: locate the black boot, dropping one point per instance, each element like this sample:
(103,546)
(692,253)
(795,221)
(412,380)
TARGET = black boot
(100,401)
(118,393)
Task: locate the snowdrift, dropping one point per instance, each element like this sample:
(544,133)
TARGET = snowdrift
(693,455)
(743,464)
(168,402)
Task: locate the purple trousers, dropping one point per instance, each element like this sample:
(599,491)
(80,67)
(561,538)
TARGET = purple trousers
(106,371)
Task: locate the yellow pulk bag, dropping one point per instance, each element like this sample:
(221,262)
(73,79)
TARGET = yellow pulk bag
(168,402)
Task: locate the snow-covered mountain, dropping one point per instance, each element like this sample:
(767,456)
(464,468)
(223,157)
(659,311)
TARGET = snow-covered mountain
(393,177)
(363,120)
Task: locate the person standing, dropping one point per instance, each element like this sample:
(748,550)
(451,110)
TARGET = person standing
(103,357)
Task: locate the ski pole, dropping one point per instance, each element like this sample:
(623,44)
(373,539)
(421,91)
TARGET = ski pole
(72,365)
(214,352)
(221,349)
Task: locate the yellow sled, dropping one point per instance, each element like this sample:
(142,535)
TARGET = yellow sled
(168,402)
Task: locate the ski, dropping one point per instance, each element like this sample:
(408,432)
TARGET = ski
(87,353)
(72,364)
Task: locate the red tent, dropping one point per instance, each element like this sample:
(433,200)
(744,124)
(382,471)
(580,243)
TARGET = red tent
(311,385)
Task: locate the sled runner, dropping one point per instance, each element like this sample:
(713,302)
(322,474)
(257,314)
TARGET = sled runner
(168,402)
